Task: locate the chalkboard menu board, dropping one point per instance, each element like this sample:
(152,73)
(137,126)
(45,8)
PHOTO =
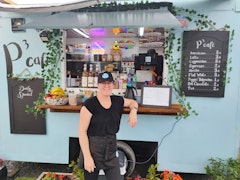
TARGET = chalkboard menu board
(22,93)
(204,60)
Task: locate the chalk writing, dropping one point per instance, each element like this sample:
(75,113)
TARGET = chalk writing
(204,62)
(24,91)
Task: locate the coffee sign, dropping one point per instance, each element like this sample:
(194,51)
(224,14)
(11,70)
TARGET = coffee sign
(204,63)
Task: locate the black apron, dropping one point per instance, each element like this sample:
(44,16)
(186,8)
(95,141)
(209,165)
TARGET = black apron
(103,150)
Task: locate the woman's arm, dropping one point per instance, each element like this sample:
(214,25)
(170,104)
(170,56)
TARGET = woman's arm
(133,105)
(84,121)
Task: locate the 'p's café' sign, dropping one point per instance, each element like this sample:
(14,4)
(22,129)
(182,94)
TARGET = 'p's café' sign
(204,60)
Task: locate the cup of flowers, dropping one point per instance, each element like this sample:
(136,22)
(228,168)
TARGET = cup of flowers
(56,97)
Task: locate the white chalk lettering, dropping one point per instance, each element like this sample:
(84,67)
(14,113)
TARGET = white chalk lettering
(24,91)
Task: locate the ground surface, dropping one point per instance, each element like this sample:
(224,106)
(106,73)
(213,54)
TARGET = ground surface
(28,169)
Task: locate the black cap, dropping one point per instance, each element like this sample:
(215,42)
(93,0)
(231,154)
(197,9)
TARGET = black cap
(105,76)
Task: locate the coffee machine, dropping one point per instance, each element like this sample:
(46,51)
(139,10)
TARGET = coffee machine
(151,62)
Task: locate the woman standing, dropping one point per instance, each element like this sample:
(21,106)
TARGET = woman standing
(99,122)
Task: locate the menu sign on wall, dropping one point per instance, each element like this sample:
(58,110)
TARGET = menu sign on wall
(204,63)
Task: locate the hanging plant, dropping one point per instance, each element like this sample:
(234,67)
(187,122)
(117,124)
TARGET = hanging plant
(51,73)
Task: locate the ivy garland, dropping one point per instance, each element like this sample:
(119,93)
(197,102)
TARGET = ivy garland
(51,72)
(174,70)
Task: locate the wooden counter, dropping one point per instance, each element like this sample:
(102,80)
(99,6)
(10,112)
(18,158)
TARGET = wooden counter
(173,110)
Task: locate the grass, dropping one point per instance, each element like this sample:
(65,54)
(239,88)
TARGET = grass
(25,178)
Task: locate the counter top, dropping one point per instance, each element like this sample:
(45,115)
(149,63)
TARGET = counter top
(173,110)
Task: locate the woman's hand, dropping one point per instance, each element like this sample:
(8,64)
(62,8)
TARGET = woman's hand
(132,119)
(89,164)
(133,105)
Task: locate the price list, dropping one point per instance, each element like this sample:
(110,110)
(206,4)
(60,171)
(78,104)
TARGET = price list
(204,63)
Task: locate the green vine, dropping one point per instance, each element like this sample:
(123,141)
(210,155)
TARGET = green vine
(201,22)
(51,72)
(125,6)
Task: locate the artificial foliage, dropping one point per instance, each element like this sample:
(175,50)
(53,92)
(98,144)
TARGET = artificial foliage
(173,44)
(125,6)
(51,73)
(173,49)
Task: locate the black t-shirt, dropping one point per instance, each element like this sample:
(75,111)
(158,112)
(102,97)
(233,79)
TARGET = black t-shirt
(104,121)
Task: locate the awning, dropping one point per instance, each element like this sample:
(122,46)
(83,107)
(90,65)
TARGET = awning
(138,18)
(48,7)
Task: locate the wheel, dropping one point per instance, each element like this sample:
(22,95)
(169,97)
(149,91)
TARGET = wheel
(129,156)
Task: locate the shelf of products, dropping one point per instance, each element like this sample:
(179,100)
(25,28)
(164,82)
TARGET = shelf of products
(152,39)
(126,35)
(151,44)
(74,69)
(173,110)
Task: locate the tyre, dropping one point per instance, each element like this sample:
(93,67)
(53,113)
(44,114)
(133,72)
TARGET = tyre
(129,155)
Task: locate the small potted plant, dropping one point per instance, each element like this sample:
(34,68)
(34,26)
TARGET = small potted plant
(152,172)
(77,173)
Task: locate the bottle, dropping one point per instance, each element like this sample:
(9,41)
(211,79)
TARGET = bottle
(73,81)
(85,76)
(90,77)
(69,78)
(87,54)
(95,79)
(78,80)
(129,80)
(134,79)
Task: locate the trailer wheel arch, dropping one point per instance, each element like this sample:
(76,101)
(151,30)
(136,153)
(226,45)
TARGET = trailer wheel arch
(129,154)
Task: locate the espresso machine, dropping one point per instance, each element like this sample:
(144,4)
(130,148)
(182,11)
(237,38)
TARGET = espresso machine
(149,63)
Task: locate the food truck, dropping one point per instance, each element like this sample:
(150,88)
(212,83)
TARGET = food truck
(112,42)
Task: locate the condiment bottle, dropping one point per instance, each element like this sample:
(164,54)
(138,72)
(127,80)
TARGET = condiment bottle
(85,76)
(95,80)
(90,78)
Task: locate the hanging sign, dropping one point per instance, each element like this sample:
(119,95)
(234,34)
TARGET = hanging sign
(204,60)
(22,93)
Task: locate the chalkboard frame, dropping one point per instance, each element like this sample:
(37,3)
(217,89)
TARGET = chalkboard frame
(220,40)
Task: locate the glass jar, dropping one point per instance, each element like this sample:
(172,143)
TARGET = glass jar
(72,99)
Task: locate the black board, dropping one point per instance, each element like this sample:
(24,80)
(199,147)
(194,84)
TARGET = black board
(204,60)
(22,93)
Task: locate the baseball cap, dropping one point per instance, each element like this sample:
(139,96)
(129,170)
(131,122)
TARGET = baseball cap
(105,76)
